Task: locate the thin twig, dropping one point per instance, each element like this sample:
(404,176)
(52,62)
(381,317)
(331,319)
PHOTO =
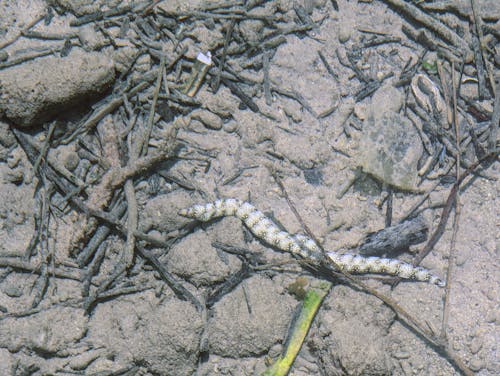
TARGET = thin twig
(431,23)
(451,258)
(222,61)
(143,145)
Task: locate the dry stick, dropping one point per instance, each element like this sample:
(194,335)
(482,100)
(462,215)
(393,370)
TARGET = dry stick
(45,149)
(64,187)
(417,327)
(32,55)
(431,23)
(328,67)
(451,258)
(28,27)
(88,252)
(222,60)
(97,116)
(266,84)
(478,57)
(16,263)
(31,151)
(446,91)
(402,314)
(127,255)
(478,23)
(43,282)
(143,146)
(495,120)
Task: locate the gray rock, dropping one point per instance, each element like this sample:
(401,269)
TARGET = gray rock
(390,149)
(164,335)
(79,7)
(161,212)
(43,331)
(6,362)
(7,138)
(196,260)
(235,332)
(209,119)
(34,92)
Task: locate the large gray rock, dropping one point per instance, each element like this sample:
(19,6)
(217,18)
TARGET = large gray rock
(34,92)
(390,146)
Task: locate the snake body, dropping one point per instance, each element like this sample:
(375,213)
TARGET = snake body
(303,246)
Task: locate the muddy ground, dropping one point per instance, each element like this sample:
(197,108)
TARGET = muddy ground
(339,110)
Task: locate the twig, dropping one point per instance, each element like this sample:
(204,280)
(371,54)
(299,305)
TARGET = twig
(431,23)
(28,27)
(451,258)
(144,142)
(327,66)
(15,263)
(266,84)
(106,109)
(479,57)
(478,23)
(222,60)
(495,120)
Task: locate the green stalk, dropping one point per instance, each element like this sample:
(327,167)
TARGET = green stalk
(299,329)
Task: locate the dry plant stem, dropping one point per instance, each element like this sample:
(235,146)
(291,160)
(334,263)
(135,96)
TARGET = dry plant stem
(451,258)
(479,58)
(28,27)
(64,187)
(53,163)
(127,256)
(117,176)
(266,85)
(431,23)
(446,90)
(43,241)
(45,147)
(222,61)
(143,146)
(177,288)
(308,231)
(478,24)
(495,120)
(98,115)
(16,263)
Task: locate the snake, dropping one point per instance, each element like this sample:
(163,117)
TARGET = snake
(303,246)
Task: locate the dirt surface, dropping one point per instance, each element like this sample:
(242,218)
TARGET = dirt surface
(323,102)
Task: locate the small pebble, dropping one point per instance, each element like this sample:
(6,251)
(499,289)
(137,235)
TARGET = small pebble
(476,364)
(4,56)
(491,294)
(71,161)
(89,38)
(15,176)
(401,355)
(361,110)
(12,290)
(461,259)
(7,138)
(230,126)
(492,316)
(476,345)
(345,32)
(209,119)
